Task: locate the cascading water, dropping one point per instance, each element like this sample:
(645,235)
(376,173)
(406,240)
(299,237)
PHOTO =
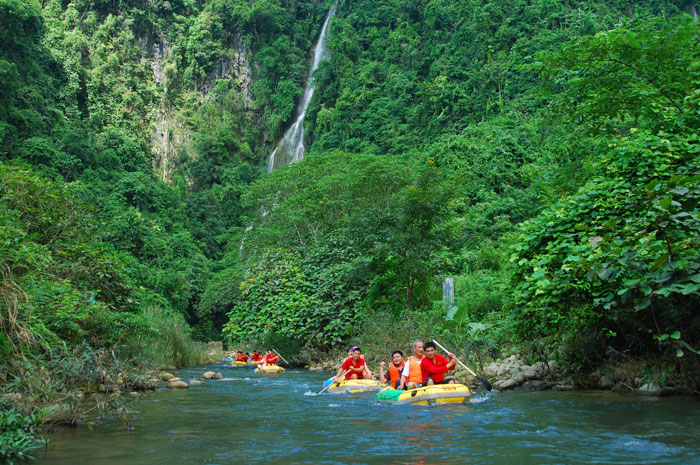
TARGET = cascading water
(290,148)
(694,11)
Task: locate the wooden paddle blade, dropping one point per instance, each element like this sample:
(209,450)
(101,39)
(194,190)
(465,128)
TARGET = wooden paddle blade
(486,384)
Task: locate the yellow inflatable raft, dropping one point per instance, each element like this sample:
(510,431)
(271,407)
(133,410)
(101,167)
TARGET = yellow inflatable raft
(355,386)
(428,395)
(269,369)
(238,363)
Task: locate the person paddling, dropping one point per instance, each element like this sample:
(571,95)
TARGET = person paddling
(412,376)
(355,367)
(270,358)
(393,375)
(257,356)
(434,366)
(240,357)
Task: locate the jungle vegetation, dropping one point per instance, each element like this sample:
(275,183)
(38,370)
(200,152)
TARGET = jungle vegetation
(544,153)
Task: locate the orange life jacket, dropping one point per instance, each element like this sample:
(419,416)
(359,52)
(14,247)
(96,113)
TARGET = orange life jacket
(395,373)
(414,373)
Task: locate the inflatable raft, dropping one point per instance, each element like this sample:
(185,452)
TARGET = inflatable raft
(269,369)
(238,363)
(355,386)
(428,395)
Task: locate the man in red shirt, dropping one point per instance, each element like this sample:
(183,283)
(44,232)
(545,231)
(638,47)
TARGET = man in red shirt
(256,356)
(355,367)
(270,358)
(434,366)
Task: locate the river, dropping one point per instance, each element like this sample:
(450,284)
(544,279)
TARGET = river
(278,419)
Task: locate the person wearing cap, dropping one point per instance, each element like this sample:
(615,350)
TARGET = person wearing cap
(355,367)
(393,375)
(434,366)
(351,349)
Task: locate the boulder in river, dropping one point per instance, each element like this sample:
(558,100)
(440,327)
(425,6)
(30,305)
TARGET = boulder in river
(166,376)
(208,375)
(178,385)
(218,376)
(196,382)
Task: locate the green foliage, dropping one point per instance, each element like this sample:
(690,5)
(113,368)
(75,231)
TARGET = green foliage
(622,252)
(164,337)
(277,299)
(632,77)
(18,434)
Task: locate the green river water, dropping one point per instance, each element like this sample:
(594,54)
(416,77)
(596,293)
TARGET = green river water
(278,419)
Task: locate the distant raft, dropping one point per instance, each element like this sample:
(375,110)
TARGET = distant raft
(428,395)
(355,386)
(269,369)
(238,363)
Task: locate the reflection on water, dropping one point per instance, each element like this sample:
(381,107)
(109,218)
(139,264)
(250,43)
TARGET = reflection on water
(271,419)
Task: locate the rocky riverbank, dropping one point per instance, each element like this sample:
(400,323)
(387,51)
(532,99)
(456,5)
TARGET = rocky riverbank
(514,373)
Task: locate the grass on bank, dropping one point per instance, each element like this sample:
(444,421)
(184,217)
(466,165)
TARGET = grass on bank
(46,381)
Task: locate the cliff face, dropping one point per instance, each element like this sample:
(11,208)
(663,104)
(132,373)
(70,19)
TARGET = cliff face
(170,135)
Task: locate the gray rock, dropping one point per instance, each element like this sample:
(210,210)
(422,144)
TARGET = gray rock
(563,387)
(606,382)
(208,375)
(174,379)
(539,385)
(529,372)
(650,389)
(166,377)
(178,385)
(196,382)
(218,376)
(504,384)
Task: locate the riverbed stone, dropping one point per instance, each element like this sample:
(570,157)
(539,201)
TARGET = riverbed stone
(606,382)
(166,376)
(178,385)
(529,372)
(196,382)
(563,387)
(217,376)
(539,385)
(505,384)
(174,379)
(208,375)
(650,389)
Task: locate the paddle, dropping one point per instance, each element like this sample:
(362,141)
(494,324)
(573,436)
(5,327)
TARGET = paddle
(486,384)
(285,361)
(331,382)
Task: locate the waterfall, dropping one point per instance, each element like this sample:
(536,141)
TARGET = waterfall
(448,292)
(291,147)
(694,11)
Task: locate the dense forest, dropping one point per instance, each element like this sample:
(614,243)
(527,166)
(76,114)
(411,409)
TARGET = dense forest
(544,153)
